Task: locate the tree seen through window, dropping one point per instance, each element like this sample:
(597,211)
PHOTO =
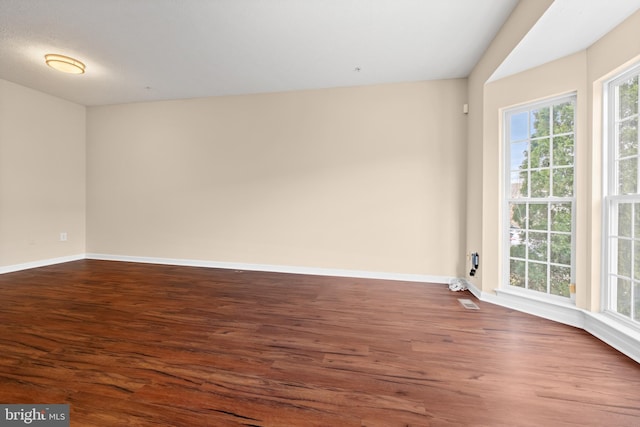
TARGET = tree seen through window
(541,147)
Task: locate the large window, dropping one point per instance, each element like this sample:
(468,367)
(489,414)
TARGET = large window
(622,198)
(539,196)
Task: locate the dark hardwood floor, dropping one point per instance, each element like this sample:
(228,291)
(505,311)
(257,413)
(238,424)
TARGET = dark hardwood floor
(130,344)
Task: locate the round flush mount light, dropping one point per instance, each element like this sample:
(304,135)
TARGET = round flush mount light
(65,64)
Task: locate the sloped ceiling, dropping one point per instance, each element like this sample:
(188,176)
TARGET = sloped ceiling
(567,27)
(138,50)
(143,50)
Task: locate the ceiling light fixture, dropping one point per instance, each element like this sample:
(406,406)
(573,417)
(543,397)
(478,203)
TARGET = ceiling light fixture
(64,64)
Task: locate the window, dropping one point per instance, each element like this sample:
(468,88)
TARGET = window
(622,198)
(539,196)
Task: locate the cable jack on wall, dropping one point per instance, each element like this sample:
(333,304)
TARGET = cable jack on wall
(475,263)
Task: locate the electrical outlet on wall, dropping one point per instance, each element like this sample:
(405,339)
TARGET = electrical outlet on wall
(63,236)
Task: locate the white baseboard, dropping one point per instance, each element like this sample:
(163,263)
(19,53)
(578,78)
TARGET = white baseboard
(359,274)
(558,311)
(622,338)
(40,263)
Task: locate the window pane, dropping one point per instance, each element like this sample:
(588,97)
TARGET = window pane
(519,184)
(518,126)
(563,118)
(563,150)
(628,138)
(561,217)
(628,98)
(623,228)
(518,215)
(538,277)
(628,176)
(540,154)
(517,273)
(537,246)
(517,248)
(624,257)
(636,255)
(624,219)
(636,259)
(539,170)
(560,279)
(518,153)
(540,183)
(517,233)
(623,305)
(561,249)
(636,300)
(563,182)
(540,122)
(538,219)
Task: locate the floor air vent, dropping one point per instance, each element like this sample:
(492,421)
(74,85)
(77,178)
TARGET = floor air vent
(468,304)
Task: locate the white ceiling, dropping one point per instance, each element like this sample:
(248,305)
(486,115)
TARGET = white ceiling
(568,26)
(142,50)
(137,50)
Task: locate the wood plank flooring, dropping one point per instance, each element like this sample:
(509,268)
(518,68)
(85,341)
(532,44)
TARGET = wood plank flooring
(130,344)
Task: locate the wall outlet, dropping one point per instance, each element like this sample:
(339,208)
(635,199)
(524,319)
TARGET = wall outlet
(63,236)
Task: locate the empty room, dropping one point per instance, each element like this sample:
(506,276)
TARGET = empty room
(319,213)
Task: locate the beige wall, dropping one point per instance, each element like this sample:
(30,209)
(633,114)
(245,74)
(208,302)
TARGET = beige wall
(607,57)
(42,176)
(479,195)
(583,73)
(615,50)
(367,178)
(564,76)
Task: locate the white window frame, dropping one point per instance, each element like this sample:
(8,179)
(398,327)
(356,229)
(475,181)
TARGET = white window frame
(507,199)
(611,199)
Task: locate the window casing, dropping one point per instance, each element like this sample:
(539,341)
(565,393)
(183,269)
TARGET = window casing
(622,197)
(539,207)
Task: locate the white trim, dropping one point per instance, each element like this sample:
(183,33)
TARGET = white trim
(277,268)
(558,311)
(606,178)
(611,197)
(624,339)
(618,336)
(40,263)
(528,200)
(475,291)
